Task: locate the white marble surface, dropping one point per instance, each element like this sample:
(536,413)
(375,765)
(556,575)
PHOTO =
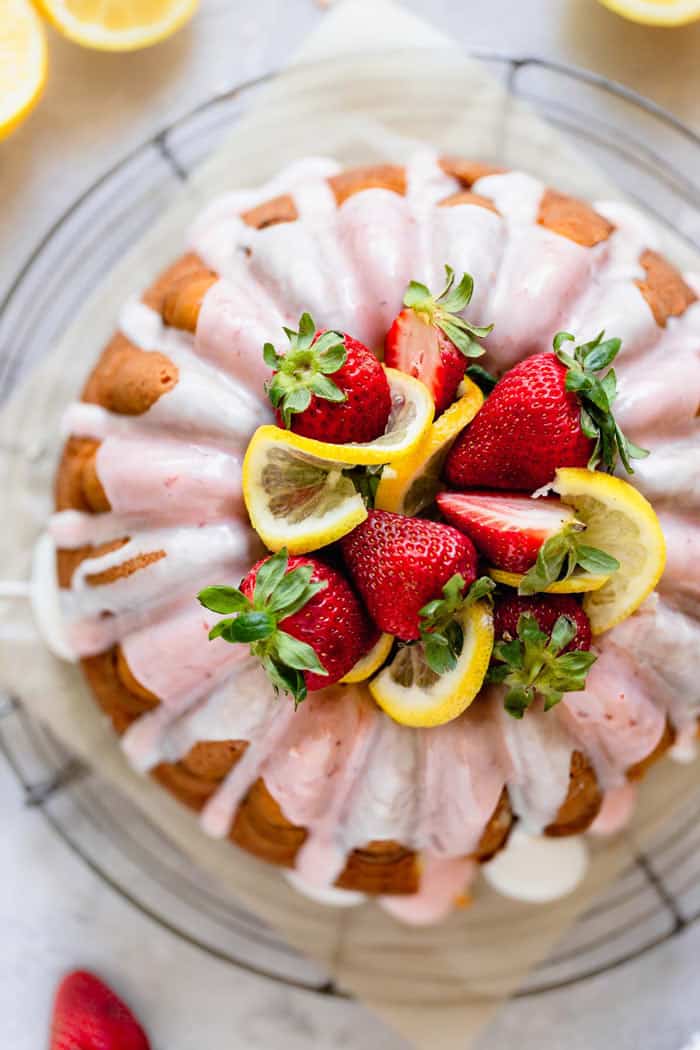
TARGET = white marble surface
(54,913)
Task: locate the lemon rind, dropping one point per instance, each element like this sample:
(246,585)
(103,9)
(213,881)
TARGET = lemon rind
(100,39)
(651,533)
(579,583)
(40,61)
(368,664)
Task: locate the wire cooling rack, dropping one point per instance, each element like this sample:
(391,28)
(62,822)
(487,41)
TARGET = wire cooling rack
(654,159)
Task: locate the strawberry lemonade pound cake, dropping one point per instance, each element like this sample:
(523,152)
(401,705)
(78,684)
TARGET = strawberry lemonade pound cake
(377,527)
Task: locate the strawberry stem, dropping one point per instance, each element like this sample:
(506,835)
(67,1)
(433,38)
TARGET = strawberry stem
(444,310)
(560,555)
(440,630)
(534,663)
(596,397)
(277,595)
(304,370)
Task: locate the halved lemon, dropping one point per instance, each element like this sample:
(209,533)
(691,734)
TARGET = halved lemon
(620,521)
(413,695)
(411,484)
(23,62)
(368,664)
(296,500)
(656,12)
(577,583)
(117,25)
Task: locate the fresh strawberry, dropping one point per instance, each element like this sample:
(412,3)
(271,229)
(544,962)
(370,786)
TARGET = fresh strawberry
(87,1015)
(541,648)
(352,406)
(549,411)
(431,341)
(300,617)
(399,564)
(507,528)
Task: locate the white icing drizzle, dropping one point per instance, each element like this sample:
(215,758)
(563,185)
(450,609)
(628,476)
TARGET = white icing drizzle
(536,868)
(338,766)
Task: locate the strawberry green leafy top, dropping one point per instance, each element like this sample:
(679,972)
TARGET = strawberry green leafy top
(277,595)
(304,369)
(440,630)
(534,663)
(596,397)
(444,310)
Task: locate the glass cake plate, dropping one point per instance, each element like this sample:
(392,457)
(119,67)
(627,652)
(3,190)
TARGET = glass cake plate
(652,157)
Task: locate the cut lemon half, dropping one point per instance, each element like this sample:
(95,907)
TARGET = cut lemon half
(412,411)
(577,583)
(23,62)
(656,12)
(620,521)
(412,484)
(296,500)
(370,663)
(117,25)
(413,695)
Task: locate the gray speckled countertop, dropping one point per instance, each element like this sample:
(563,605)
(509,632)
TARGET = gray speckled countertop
(54,912)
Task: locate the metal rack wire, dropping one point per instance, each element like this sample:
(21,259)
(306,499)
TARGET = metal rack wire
(654,900)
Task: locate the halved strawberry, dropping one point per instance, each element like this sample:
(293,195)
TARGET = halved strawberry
(517,533)
(509,529)
(430,341)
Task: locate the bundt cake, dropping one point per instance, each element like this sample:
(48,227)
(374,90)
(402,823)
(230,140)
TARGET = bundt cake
(150,511)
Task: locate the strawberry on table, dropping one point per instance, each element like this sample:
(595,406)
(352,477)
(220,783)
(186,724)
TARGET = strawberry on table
(87,1015)
(520,534)
(400,564)
(300,617)
(550,411)
(352,406)
(541,647)
(431,341)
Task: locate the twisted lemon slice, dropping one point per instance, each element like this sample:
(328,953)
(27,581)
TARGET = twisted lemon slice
(577,583)
(412,694)
(367,665)
(411,484)
(298,490)
(620,521)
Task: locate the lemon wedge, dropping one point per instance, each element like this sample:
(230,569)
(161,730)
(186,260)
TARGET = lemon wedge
(23,62)
(577,583)
(413,695)
(370,663)
(656,12)
(412,484)
(620,521)
(117,25)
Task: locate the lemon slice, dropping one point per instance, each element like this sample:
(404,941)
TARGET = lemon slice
(296,500)
(620,521)
(368,664)
(413,695)
(413,483)
(22,62)
(412,411)
(117,25)
(577,583)
(656,12)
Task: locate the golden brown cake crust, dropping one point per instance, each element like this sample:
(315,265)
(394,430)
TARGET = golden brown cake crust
(128,380)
